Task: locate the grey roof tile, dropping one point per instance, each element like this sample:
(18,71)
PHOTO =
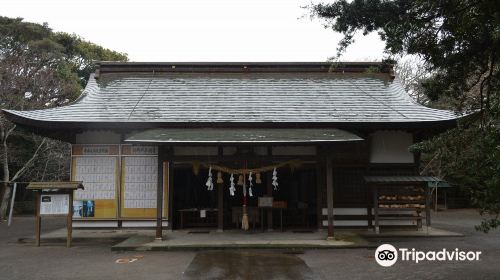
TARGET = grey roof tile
(180,97)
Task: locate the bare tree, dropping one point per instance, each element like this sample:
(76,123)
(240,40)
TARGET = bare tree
(30,78)
(411,71)
(24,86)
(39,69)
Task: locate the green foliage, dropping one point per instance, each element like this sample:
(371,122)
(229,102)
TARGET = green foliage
(32,55)
(39,68)
(458,40)
(469,156)
(83,54)
(459,43)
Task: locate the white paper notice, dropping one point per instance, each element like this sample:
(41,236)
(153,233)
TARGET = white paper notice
(54,204)
(203,213)
(141,179)
(98,175)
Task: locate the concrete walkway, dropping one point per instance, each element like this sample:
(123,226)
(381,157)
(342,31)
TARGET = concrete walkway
(143,239)
(184,240)
(91,258)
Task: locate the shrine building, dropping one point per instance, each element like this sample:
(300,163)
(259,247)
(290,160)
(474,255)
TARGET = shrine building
(257,145)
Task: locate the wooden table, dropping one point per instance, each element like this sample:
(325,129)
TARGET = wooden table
(191,211)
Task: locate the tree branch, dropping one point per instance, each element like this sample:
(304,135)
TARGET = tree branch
(9,131)
(28,163)
(430,162)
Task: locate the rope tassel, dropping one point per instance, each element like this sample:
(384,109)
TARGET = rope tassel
(275,179)
(210,183)
(232,189)
(250,193)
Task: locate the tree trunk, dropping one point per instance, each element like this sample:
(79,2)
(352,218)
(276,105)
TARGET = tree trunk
(4,185)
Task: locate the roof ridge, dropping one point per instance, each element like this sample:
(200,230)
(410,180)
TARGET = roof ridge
(244,67)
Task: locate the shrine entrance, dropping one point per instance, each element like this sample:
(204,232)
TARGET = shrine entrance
(252,175)
(293,205)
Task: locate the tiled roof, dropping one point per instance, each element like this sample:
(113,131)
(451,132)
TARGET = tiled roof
(241,97)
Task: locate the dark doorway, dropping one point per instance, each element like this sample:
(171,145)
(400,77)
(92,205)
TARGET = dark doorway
(193,205)
(297,190)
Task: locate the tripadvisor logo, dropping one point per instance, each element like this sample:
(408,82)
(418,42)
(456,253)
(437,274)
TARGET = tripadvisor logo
(387,255)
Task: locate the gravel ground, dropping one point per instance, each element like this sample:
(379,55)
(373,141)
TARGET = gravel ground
(96,261)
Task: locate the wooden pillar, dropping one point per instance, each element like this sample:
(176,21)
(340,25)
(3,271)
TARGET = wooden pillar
(319,193)
(159,197)
(427,205)
(370,204)
(220,196)
(220,207)
(329,195)
(170,193)
(38,219)
(375,208)
(269,192)
(69,221)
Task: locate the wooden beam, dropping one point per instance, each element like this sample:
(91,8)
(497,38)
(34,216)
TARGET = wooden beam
(329,195)
(243,158)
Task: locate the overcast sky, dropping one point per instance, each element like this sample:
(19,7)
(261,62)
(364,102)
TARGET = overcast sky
(196,30)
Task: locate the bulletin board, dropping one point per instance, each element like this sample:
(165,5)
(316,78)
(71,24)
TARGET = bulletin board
(139,181)
(97,167)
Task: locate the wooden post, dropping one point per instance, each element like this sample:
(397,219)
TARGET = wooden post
(427,206)
(319,194)
(159,197)
(375,208)
(170,192)
(38,220)
(69,221)
(220,207)
(329,194)
(269,211)
(369,206)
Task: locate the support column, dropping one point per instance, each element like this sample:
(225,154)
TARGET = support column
(159,197)
(170,193)
(38,219)
(220,207)
(269,192)
(220,196)
(319,194)
(428,205)
(329,194)
(69,221)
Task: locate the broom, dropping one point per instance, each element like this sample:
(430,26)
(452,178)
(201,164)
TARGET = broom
(244,219)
